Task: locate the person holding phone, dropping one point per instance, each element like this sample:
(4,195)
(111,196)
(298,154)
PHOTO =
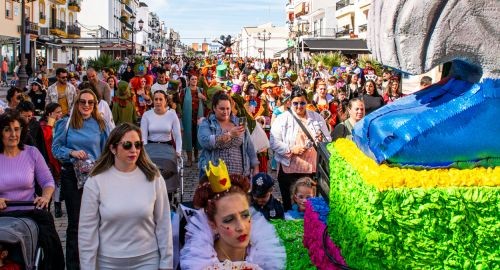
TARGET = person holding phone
(222,137)
(293,143)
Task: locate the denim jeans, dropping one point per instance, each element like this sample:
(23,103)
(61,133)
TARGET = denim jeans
(72,199)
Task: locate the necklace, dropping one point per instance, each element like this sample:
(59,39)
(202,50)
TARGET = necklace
(229,258)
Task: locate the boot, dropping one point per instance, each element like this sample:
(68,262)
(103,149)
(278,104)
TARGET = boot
(57,209)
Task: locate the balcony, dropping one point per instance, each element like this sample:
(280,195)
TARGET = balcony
(44,31)
(344,7)
(343,33)
(59,2)
(42,18)
(74,6)
(124,19)
(58,28)
(31,28)
(301,9)
(363,27)
(324,32)
(74,31)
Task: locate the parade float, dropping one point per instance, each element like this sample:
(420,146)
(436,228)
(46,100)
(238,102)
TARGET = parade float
(419,185)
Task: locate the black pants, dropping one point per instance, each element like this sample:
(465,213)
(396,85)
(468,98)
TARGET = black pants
(48,239)
(286,181)
(72,199)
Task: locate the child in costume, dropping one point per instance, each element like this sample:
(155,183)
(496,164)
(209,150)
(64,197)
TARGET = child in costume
(303,189)
(225,232)
(123,105)
(263,199)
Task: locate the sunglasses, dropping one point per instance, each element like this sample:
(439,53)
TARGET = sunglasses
(84,102)
(302,104)
(127,145)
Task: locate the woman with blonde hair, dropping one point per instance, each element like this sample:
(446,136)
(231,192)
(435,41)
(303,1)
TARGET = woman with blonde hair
(124,170)
(78,142)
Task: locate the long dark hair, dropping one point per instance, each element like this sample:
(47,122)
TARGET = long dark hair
(107,159)
(50,108)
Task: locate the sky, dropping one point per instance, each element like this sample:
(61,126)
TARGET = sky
(199,19)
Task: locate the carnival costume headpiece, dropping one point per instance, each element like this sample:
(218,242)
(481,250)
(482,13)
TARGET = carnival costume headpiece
(218,177)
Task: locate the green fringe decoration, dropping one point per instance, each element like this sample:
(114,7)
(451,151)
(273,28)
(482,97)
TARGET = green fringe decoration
(403,228)
(291,233)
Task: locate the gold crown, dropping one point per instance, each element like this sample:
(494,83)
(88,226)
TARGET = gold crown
(218,176)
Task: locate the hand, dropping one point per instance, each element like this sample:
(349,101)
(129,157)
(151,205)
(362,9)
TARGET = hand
(140,92)
(236,131)
(3,203)
(202,97)
(41,202)
(80,154)
(298,150)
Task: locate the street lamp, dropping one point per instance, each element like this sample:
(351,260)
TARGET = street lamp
(23,77)
(264,36)
(141,25)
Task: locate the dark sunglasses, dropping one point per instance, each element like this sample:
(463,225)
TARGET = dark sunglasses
(84,102)
(302,103)
(127,145)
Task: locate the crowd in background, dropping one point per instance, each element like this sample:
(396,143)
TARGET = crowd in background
(252,115)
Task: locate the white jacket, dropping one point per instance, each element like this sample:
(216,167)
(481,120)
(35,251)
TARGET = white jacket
(53,96)
(284,132)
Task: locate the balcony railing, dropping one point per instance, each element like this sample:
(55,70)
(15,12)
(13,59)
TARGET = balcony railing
(343,32)
(44,31)
(324,32)
(363,27)
(74,30)
(74,6)
(31,28)
(58,25)
(342,4)
(129,9)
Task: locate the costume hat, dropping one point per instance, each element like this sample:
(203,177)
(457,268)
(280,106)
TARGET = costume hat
(261,183)
(218,177)
(221,73)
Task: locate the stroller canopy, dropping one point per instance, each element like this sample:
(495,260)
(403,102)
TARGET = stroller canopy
(21,231)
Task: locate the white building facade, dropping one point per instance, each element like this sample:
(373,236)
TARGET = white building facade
(250,44)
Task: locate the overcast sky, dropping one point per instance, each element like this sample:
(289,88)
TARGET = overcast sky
(198,19)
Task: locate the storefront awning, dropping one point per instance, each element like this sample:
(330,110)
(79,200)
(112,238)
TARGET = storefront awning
(279,53)
(345,45)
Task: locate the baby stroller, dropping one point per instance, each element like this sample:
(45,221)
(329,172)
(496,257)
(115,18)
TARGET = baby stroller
(21,234)
(171,168)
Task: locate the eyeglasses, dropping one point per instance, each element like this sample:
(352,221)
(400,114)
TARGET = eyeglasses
(302,197)
(296,104)
(127,145)
(84,102)
(8,129)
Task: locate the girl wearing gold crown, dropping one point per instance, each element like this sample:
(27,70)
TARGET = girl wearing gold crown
(225,232)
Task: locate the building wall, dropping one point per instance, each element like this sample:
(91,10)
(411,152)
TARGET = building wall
(250,43)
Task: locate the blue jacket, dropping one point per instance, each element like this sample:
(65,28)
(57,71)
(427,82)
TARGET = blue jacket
(208,130)
(89,139)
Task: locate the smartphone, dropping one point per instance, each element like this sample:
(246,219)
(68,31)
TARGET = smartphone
(242,121)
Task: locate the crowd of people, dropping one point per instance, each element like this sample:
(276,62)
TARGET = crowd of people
(84,140)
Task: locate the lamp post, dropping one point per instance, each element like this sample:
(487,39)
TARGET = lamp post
(23,77)
(264,36)
(141,25)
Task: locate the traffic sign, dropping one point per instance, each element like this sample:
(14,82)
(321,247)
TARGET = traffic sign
(260,50)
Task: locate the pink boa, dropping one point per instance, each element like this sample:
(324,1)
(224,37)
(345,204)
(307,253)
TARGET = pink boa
(313,241)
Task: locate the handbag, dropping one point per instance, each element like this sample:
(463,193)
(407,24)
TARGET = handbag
(82,170)
(304,129)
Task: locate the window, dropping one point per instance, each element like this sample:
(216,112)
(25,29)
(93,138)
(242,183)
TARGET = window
(41,6)
(62,15)
(71,18)
(9,9)
(55,52)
